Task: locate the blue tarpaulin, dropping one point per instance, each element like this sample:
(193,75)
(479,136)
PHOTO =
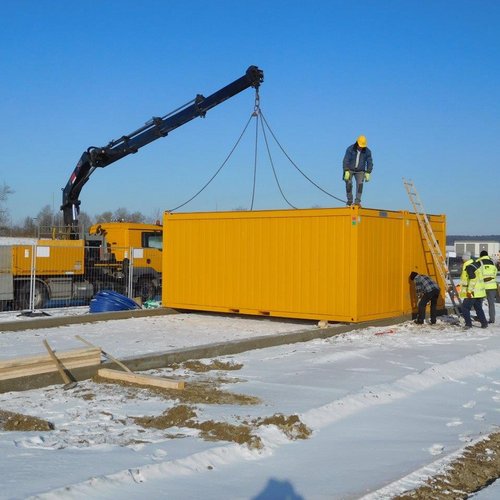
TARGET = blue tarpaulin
(108,300)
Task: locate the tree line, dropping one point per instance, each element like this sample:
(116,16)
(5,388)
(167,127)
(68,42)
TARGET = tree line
(41,224)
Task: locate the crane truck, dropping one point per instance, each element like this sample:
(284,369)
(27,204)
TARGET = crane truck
(115,255)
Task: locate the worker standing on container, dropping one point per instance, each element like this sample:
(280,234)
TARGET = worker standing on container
(357,163)
(427,291)
(472,291)
(490,272)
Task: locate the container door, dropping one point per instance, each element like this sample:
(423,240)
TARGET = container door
(6,278)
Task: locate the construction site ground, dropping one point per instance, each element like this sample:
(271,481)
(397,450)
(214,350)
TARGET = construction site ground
(269,406)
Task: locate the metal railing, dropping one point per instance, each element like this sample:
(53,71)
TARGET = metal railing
(64,273)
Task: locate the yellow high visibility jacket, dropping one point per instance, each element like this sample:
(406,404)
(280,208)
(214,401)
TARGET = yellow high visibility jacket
(474,285)
(490,272)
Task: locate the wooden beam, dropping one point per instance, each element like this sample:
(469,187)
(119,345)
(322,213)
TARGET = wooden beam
(112,358)
(135,378)
(69,381)
(35,365)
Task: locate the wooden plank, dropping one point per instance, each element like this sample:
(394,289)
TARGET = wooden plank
(135,378)
(65,375)
(43,365)
(112,358)
(34,365)
(24,371)
(63,355)
(34,370)
(46,365)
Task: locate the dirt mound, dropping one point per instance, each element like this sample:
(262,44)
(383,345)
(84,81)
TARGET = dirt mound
(210,430)
(10,421)
(185,416)
(223,431)
(193,392)
(291,426)
(199,367)
(178,416)
(478,467)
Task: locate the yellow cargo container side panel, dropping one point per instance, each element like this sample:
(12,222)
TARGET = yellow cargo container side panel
(276,263)
(343,264)
(351,245)
(50,258)
(379,264)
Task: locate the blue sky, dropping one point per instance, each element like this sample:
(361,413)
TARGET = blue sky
(419,78)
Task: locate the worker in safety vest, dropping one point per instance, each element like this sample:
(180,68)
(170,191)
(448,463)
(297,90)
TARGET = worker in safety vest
(472,291)
(358,163)
(490,282)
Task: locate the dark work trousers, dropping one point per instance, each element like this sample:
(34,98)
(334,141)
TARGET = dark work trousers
(360,177)
(477,304)
(431,297)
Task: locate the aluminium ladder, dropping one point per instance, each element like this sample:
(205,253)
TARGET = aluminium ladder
(433,245)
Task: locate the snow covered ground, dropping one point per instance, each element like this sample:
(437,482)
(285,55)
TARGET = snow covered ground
(387,407)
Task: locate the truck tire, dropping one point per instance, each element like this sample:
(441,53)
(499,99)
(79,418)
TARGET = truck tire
(23,295)
(145,289)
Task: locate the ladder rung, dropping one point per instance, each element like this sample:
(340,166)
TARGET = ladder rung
(433,245)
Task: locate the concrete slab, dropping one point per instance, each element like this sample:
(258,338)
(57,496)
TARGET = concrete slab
(51,322)
(162,359)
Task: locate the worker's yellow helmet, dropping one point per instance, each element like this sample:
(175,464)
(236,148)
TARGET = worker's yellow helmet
(361,140)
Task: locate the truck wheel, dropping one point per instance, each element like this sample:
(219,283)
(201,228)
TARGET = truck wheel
(145,290)
(23,296)
(41,295)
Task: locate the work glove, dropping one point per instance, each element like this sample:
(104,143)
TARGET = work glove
(347,175)
(470,295)
(367,176)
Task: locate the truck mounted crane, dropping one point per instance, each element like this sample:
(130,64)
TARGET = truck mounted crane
(99,157)
(120,256)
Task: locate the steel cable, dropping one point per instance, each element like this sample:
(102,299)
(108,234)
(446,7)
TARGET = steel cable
(218,170)
(293,163)
(272,166)
(264,124)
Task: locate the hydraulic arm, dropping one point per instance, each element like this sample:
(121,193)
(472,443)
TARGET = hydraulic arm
(95,157)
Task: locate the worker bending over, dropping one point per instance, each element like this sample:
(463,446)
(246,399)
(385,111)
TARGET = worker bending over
(427,291)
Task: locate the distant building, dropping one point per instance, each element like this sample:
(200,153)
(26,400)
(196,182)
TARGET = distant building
(450,251)
(474,247)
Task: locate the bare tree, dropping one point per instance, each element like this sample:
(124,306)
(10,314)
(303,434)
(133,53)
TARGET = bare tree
(29,227)
(104,217)
(157,216)
(121,214)
(45,216)
(5,191)
(137,217)
(85,220)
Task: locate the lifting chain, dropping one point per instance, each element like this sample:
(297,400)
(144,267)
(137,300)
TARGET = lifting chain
(256,107)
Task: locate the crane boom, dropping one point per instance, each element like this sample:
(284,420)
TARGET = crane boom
(95,157)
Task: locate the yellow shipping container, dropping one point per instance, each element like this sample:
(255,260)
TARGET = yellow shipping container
(346,264)
(52,257)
